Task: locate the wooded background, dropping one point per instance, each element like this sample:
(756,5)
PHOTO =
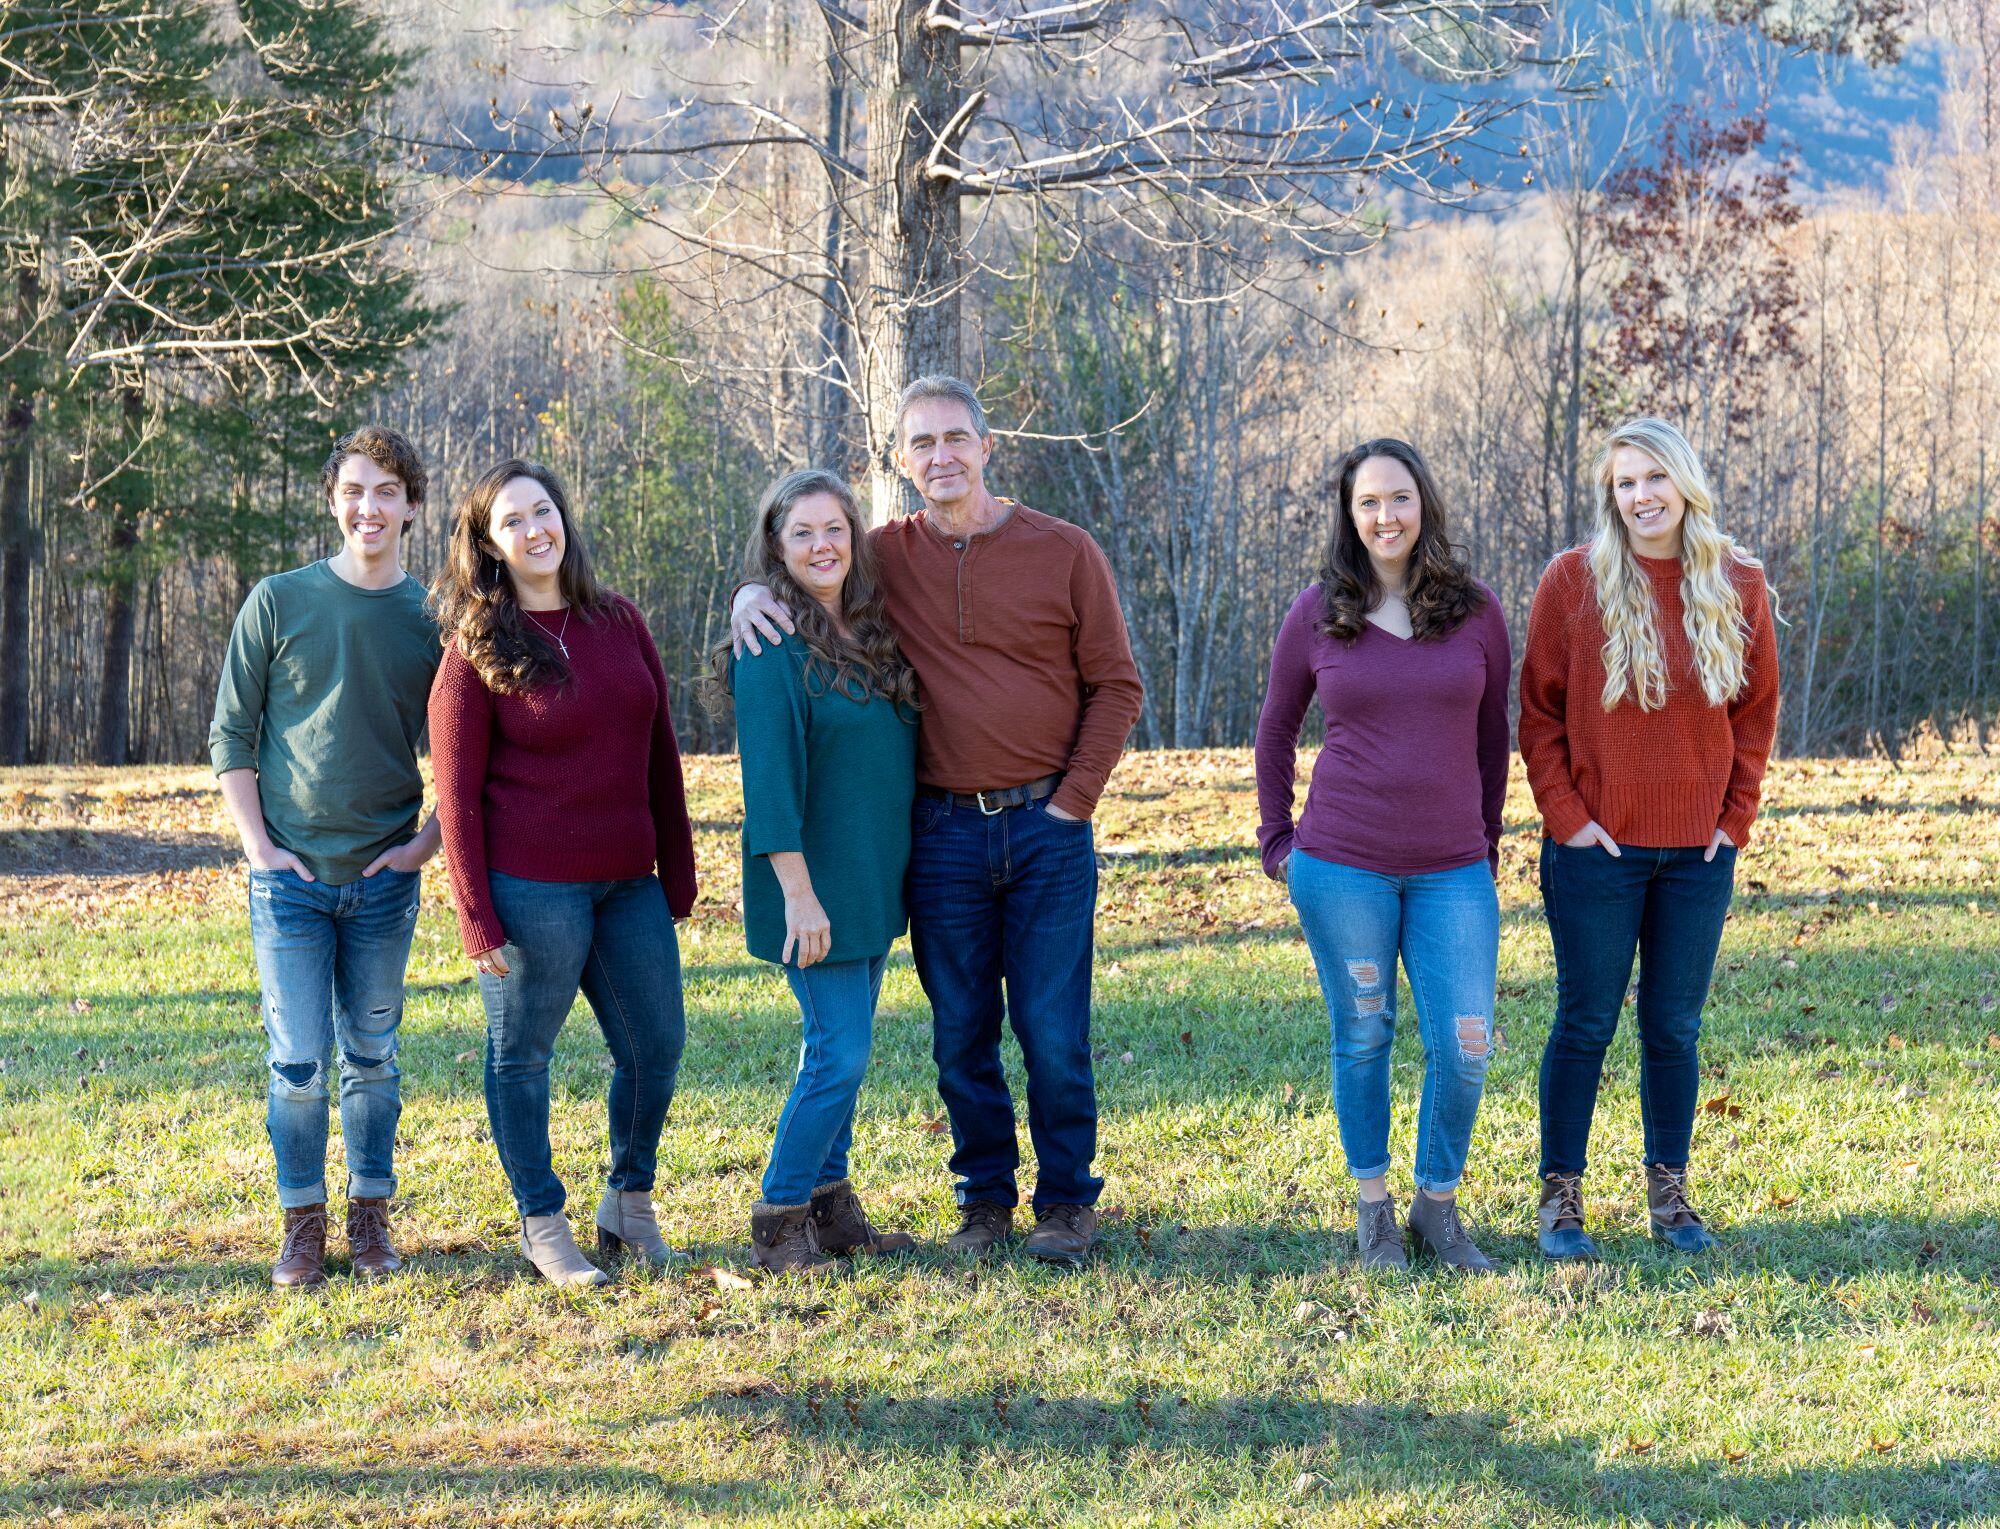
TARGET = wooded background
(1189,253)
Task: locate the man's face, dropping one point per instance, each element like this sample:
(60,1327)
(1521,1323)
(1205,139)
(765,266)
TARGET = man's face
(942,454)
(371,506)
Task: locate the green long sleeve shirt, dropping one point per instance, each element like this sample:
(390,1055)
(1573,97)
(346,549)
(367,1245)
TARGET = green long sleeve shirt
(323,694)
(831,778)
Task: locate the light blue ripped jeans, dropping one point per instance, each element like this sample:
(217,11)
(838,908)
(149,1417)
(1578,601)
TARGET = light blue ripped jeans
(331,962)
(1446,928)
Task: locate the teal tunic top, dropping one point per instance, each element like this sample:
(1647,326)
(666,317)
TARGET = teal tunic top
(831,778)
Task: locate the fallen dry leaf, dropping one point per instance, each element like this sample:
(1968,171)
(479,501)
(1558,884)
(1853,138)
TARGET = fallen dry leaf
(725,1279)
(1723,1106)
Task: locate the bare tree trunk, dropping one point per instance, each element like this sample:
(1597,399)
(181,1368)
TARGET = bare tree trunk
(830,422)
(114,700)
(914,258)
(17,547)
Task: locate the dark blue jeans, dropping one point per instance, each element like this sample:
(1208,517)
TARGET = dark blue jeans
(614,940)
(330,961)
(1001,922)
(1667,905)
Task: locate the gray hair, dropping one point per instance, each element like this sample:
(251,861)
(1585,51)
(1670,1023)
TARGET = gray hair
(942,385)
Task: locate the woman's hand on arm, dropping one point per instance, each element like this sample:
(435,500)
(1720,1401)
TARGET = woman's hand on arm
(808,932)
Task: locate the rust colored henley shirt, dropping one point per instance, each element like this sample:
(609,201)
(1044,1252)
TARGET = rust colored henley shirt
(1017,638)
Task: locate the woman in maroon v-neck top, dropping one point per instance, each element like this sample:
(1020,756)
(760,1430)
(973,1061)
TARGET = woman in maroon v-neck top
(1395,855)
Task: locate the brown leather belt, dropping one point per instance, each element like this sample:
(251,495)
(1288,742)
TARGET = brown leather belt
(991,802)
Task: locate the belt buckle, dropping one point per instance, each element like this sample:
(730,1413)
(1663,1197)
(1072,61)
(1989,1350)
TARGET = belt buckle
(984,810)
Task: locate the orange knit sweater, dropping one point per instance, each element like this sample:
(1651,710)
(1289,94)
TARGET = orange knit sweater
(1657,779)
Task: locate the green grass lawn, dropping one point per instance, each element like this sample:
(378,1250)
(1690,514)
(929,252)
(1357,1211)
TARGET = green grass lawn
(1223,1360)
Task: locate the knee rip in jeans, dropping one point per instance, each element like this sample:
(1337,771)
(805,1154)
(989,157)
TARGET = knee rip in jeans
(1368,997)
(297,1077)
(367,1064)
(1473,1041)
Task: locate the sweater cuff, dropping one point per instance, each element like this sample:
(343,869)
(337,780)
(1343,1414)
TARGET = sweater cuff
(1564,819)
(1074,799)
(479,932)
(1736,823)
(1275,851)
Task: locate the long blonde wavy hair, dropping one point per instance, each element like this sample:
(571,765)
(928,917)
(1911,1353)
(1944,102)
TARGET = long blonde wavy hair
(1634,663)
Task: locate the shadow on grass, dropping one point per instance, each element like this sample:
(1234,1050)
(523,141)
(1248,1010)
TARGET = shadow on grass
(1478,1456)
(448,1491)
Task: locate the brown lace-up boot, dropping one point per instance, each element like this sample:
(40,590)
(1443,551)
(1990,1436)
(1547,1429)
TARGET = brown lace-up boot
(368,1246)
(844,1227)
(785,1240)
(301,1261)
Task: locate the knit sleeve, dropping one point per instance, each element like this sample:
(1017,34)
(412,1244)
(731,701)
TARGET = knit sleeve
(1545,749)
(673,833)
(461,728)
(771,748)
(1753,714)
(1494,754)
(239,697)
(1113,696)
(1286,698)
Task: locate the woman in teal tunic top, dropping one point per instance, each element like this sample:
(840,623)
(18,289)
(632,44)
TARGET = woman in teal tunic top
(826,726)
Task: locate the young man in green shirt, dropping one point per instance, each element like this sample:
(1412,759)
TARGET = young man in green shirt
(317,722)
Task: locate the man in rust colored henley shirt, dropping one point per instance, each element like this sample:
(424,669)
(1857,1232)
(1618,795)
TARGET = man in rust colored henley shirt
(1011,620)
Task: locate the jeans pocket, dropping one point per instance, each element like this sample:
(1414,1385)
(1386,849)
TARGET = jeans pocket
(925,814)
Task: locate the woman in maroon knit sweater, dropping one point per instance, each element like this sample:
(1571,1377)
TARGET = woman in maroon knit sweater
(559,792)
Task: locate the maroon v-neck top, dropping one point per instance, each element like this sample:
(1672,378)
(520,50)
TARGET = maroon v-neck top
(1412,772)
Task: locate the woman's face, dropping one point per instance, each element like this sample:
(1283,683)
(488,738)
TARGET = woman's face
(817,546)
(525,531)
(1388,514)
(1648,502)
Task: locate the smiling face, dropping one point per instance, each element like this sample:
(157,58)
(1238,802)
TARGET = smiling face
(943,453)
(1648,502)
(1388,513)
(817,545)
(371,506)
(524,530)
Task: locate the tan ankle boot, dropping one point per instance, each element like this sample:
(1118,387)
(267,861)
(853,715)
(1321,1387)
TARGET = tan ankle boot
(784,1240)
(369,1249)
(302,1256)
(626,1225)
(546,1242)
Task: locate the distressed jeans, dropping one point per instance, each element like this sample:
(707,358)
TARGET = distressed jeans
(1445,926)
(331,961)
(614,941)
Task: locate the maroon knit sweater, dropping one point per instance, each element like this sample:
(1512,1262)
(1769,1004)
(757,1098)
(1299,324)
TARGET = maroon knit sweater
(580,782)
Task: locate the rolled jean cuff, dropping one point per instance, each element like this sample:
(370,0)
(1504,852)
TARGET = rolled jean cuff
(370,1189)
(1439,1186)
(312,1194)
(1371,1173)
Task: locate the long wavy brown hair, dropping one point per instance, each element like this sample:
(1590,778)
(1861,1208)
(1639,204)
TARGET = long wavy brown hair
(1439,587)
(473,598)
(865,662)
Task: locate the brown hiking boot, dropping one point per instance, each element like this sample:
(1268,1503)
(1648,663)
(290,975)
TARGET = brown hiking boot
(1673,1220)
(369,1249)
(1437,1227)
(844,1228)
(1559,1220)
(1063,1234)
(983,1226)
(1378,1235)
(302,1257)
(785,1240)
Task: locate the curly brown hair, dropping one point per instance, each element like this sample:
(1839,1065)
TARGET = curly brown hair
(389,450)
(473,597)
(1440,588)
(864,662)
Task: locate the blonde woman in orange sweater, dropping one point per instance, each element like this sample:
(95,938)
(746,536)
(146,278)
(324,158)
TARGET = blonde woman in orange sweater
(1649,700)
